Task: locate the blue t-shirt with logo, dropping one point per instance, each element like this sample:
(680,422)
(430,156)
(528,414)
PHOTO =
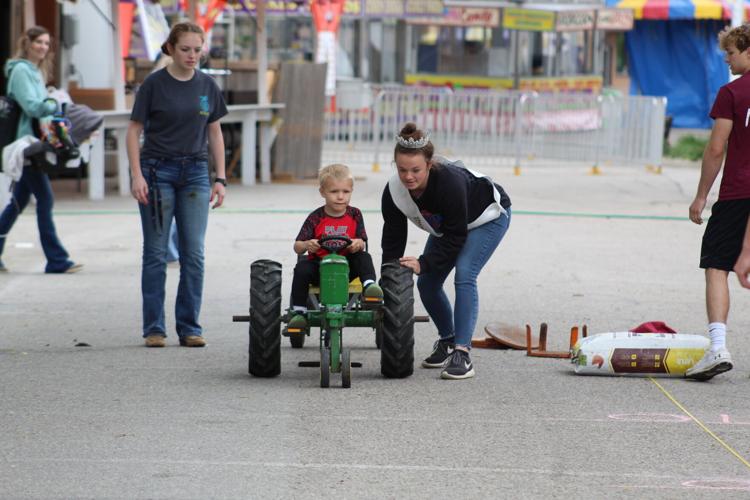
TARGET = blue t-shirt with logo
(175,114)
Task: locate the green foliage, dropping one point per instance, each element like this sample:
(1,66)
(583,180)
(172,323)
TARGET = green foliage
(688,146)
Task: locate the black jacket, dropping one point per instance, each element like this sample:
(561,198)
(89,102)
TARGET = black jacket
(453,198)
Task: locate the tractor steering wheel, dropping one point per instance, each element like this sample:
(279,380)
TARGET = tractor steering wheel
(334,243)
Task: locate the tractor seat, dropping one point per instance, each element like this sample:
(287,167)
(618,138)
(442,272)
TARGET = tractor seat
(355,286)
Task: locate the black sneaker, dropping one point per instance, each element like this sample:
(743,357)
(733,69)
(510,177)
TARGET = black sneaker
(441,351)
(459,366)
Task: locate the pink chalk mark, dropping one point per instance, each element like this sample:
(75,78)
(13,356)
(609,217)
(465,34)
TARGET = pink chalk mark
(649,417)
(719,484)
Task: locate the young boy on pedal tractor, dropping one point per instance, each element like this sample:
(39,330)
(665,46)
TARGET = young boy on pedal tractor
(335,218)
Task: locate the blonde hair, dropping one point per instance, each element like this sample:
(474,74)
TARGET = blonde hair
(739,36)
(336,171)
(22,50)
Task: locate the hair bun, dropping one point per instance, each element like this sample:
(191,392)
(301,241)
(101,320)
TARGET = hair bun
(408,129)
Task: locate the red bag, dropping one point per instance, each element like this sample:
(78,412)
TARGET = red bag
(652,327)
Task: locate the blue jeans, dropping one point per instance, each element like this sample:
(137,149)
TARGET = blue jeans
(173,251)
(36,183)
(458,324)
(178,188)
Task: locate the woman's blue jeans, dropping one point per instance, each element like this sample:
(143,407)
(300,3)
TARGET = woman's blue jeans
(458,324)
(173,250)
(37,183)
(178,188)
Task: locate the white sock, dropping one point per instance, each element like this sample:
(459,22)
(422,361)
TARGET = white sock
(299,309)
(367,282)
(717,332)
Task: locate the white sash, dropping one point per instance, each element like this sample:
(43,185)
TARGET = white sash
(406,204)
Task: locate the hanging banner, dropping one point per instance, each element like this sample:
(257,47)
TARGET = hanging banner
(207,19)
(126,11)
(272,6)
(327,14)
(326,17)
(150,32)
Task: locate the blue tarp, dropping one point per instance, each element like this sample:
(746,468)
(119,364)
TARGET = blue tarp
(681,60)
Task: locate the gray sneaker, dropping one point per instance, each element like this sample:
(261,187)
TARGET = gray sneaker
(441,351)
(458,367)
(711,364)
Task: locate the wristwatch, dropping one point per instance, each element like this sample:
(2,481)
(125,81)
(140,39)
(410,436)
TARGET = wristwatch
(221,181)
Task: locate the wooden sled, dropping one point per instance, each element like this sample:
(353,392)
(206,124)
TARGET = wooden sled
(503,336)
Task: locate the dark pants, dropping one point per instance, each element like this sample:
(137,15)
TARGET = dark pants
(36,183)
(307,272)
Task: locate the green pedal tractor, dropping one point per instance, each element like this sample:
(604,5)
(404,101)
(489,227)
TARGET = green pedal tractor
(336,305)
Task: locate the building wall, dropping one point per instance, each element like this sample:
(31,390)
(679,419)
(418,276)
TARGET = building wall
(90,60)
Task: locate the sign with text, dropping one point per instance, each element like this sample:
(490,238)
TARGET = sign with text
(423,7)
(457,16)
(574,20)
(385,8)
(581,83)
(614,19)
(528,19)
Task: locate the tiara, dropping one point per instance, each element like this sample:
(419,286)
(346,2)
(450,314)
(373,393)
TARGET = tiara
(410,143)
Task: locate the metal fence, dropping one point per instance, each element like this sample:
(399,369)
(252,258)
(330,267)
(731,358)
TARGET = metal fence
(507,128)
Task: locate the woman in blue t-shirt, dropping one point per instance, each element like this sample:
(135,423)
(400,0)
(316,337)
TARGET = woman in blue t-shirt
(178,110)
(27,74)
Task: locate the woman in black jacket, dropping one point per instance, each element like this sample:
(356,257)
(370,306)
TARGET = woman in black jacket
(467,216)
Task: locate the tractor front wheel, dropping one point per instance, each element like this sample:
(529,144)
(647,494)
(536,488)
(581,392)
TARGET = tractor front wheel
(397,326)
(265,318)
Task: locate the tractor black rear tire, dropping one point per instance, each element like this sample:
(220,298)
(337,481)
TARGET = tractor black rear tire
(346,368)
(378,336)
(297,340)
(397,328)
(265,318)
(325,367)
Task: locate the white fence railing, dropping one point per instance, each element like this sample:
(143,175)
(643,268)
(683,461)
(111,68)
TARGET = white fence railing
(508,128)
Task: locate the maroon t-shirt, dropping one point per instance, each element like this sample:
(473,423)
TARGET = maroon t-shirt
(733,103)
(319,224)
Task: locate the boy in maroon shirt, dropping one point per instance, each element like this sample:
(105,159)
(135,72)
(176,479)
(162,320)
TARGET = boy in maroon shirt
(335,218)
(722,241)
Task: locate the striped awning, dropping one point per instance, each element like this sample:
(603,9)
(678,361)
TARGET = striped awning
(678,9)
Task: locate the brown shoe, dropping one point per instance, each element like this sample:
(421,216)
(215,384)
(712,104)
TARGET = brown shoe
(192,341)
(155,341)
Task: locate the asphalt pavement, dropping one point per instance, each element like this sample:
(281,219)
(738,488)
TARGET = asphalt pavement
(88,412)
